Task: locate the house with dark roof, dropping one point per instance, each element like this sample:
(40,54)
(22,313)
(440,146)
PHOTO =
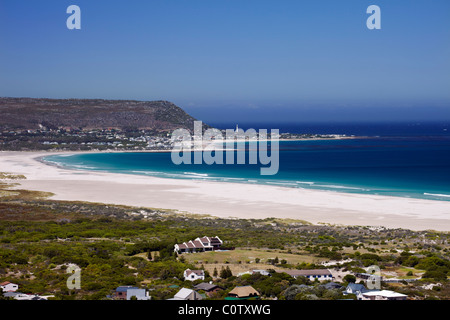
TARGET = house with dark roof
(199,245)
(332,285)
(122,291)
(209,288)
(367,276)
(355,288)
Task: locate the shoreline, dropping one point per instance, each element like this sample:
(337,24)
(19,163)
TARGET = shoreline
(224,200)
(287,184)
(212,142)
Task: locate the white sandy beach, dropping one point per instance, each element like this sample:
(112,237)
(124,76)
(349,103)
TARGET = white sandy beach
(226,199)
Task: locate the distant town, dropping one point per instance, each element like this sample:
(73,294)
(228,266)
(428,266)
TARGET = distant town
(79,139)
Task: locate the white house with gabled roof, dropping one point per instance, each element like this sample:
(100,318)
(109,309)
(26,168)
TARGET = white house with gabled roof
(193,275)
(9,287)
(187,294)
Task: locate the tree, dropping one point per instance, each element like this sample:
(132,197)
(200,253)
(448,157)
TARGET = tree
(225,272)
(215,273)
(411,261)
(229,273)
(332,294)
(349,278)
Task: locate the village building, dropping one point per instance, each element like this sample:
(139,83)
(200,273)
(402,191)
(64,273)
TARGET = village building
(312,275)
(243,293)
(250,272)
(261,272)
(355,288)
(9,287)
(332,285)
(209,288)
(130,292)
(24,296)
(187,294)
(382,295)
(193,275)
(199,245)
(121,292)
(138,294)
(362,293)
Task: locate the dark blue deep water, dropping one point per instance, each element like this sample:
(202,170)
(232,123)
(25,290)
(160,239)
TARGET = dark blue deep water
(407,160)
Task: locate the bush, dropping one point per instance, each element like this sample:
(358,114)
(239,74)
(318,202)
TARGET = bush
(434,264)
(435,275)
(437,288)
(370,256)
(411,261)
(349,278)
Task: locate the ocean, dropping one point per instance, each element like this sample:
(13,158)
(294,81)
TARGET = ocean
(395,159)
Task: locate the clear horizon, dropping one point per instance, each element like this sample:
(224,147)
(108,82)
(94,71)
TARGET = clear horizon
(236,61)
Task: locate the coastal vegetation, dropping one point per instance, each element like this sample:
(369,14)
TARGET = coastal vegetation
(127,115)
(119,245)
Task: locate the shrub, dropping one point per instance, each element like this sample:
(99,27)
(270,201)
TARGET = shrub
(435,275)
(349,278)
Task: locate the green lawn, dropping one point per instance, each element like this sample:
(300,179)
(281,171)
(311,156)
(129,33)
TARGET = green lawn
(242,260)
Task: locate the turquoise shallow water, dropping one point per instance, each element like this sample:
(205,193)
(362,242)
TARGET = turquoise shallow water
(416,166)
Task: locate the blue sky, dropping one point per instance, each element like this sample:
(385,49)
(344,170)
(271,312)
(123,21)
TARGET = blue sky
(257,60)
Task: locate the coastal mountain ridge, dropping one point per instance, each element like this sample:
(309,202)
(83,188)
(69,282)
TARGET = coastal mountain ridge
(88,114)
